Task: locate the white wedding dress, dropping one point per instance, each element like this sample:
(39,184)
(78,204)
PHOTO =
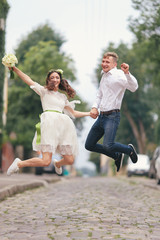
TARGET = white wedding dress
(58,133)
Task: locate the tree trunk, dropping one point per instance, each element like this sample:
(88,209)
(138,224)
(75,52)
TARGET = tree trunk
(140,135)
(143,135)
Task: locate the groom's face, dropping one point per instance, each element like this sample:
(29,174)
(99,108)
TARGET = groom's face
(108,63)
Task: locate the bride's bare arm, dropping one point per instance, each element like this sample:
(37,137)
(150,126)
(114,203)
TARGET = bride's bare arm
(77,114)
(23,76)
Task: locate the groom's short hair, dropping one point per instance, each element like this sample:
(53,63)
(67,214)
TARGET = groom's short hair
(111,54)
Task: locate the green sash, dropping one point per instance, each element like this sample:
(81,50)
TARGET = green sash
(38,127)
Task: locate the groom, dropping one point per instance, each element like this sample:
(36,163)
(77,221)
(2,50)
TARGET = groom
(113,85)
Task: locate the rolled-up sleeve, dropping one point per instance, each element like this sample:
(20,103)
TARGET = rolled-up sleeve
(132,83)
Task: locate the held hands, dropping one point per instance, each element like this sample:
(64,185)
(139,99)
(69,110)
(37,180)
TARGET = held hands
(125,68)
(94,113)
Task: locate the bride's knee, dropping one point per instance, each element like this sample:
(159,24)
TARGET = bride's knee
(46,159)
(46,162)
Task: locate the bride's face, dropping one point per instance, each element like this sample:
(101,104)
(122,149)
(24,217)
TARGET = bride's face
(54,79)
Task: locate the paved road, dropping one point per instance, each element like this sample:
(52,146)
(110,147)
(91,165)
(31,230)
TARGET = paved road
(83,208)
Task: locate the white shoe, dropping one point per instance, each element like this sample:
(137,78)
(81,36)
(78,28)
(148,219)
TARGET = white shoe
(14,167)
(58,170)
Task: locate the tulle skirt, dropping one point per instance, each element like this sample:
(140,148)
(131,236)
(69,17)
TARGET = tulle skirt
(58,134)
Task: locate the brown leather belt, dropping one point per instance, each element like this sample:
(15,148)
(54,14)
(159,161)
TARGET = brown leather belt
(109,112)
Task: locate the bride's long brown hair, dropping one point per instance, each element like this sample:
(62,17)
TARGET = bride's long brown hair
(64,85)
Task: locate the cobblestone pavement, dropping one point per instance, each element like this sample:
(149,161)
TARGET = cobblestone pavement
(83,208)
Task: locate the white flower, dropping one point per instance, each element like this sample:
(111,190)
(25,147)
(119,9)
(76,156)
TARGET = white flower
(60,71)
(9,60)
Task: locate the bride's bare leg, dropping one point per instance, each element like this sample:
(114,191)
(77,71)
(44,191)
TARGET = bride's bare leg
(37,162)
(66,160)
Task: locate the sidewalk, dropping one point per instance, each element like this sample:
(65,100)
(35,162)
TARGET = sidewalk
(20,182)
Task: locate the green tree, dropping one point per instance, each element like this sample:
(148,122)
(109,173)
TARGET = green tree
(4,8)
(146,30)
(43,33)
(43,57)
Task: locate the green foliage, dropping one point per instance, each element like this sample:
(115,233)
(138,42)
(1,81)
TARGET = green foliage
(24,109)
(4,8)
(147,23)
(146,29)
(43,33)
(43,57)
(95,158)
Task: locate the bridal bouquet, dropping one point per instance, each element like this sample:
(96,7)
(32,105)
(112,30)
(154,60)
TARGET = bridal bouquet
(9,60)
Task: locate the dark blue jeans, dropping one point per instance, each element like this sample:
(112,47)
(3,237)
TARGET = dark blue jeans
(106,126)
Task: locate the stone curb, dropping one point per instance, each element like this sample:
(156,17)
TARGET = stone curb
(19,188)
